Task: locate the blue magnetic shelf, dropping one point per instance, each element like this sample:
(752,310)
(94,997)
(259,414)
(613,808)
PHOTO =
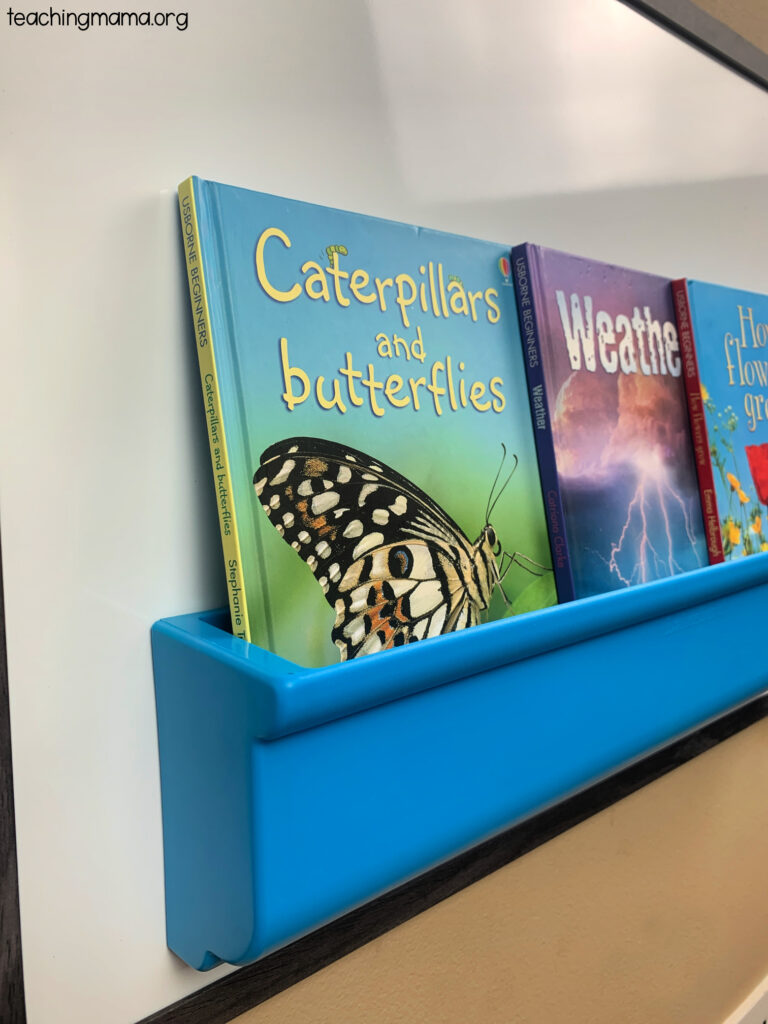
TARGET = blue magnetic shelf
(292,795)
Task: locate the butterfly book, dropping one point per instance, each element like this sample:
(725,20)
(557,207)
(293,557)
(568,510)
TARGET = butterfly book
(724,343)
(370,434)
(608,402)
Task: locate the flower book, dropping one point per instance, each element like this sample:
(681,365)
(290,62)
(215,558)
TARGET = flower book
(611,423)
(724,341)
(370,434)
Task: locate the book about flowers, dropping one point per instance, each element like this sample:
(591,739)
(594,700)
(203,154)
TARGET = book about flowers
(724,338)
(611,423)
(370,435)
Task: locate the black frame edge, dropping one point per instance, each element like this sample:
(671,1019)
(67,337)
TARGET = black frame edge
(250,986)
(12,999)
(693,24)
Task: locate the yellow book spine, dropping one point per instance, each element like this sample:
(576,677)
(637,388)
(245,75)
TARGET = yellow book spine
(216,436)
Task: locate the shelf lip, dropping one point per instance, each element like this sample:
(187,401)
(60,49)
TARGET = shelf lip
(292,698)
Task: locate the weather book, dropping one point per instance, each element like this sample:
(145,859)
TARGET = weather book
(607,395)
(724,341)
(371,441)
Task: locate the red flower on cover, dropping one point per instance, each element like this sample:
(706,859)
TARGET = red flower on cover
(757,457)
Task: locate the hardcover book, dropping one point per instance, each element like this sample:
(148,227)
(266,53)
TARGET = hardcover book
(611,423)
(370,435)
(724,339)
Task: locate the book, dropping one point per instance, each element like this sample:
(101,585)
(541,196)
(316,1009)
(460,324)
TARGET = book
(724,340)
(371,441)
(611,424)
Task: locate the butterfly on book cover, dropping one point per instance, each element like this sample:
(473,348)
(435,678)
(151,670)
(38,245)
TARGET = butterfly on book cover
(392,563)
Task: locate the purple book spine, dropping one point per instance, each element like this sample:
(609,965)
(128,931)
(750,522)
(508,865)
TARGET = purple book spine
(523,275)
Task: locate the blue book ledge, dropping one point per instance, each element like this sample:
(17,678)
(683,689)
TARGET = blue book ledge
(292,795)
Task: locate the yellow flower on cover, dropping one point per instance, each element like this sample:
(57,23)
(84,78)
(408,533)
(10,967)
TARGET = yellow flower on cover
(734,534)
(757,525)
(704,394)
(764,546)
(733,481)
(742,497)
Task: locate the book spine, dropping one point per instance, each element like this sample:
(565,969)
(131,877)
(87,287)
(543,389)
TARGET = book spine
(204,339)
(542,428)
(697,422)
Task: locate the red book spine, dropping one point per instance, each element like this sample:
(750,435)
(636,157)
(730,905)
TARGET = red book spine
(698,423)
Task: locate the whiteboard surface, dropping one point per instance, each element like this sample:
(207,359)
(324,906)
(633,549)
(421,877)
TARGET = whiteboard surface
(572,123)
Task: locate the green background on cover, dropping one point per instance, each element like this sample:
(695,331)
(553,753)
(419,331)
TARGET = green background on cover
(453,457)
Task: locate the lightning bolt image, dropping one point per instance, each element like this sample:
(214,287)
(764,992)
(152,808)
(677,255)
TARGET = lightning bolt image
(632,494)
(645,548)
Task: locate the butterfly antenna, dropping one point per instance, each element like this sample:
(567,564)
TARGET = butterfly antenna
(492,505)
(495,481)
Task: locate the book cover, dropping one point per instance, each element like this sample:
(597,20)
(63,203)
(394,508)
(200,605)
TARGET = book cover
(611,422)
(724,335)
(370,434)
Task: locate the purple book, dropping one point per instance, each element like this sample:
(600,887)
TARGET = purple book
(611,423)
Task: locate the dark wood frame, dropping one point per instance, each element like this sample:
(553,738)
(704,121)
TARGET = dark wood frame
(683,18)
(219,1002)
(12,1003)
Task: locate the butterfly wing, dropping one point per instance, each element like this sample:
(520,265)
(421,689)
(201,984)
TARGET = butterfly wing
(392,564)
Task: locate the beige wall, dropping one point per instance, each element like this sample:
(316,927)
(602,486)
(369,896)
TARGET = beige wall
(747,17)
(652,912)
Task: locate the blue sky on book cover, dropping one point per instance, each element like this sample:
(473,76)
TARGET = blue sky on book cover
(619,420)
(423,373)
(730,329)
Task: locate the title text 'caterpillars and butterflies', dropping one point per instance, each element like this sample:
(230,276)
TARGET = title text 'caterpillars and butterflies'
(432,292)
